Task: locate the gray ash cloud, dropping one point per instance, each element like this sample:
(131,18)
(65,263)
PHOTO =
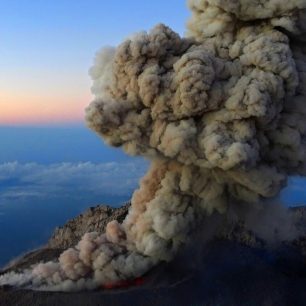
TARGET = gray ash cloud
(221,116)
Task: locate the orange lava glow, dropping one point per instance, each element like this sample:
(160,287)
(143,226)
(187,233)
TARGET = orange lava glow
(125,283)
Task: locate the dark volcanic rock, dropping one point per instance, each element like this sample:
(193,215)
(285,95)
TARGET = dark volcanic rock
(234,268)
(227,274)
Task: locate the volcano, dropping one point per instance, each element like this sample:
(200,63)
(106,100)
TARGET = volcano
(236,268)
(220,114)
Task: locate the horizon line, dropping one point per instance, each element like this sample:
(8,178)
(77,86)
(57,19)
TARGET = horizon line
(44,125)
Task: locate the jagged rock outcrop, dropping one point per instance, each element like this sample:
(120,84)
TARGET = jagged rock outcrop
(94,219)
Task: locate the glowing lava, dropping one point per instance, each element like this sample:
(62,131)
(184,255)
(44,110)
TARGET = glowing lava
(125,283)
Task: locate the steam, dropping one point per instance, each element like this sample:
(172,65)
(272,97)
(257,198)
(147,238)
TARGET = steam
(221,114)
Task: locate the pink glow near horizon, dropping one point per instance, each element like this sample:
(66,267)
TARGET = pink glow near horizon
(17,109)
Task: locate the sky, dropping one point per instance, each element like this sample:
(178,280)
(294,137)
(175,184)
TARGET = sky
(48,46)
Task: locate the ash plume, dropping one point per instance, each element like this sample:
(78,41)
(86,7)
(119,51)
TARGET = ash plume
(221,114)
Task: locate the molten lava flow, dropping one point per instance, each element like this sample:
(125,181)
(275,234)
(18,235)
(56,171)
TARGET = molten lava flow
(125,283)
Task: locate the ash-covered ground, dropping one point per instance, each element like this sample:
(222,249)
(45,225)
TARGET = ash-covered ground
(234,267)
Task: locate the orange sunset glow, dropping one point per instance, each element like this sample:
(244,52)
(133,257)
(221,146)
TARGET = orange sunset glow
(19,109)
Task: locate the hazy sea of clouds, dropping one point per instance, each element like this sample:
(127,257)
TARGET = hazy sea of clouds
(49,175)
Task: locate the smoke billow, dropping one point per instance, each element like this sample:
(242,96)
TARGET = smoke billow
(221,114)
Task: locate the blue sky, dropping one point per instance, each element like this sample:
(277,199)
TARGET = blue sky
(47,48)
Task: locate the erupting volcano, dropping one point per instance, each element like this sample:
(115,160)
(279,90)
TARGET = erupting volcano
(221,114)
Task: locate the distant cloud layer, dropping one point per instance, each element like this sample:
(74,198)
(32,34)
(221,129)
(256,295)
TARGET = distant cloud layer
(65,179)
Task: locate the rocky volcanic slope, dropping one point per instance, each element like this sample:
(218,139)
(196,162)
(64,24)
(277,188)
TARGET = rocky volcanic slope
(96,219)
(235,268)
(93,219)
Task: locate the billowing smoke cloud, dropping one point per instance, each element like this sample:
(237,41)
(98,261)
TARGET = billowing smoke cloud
(221,114)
